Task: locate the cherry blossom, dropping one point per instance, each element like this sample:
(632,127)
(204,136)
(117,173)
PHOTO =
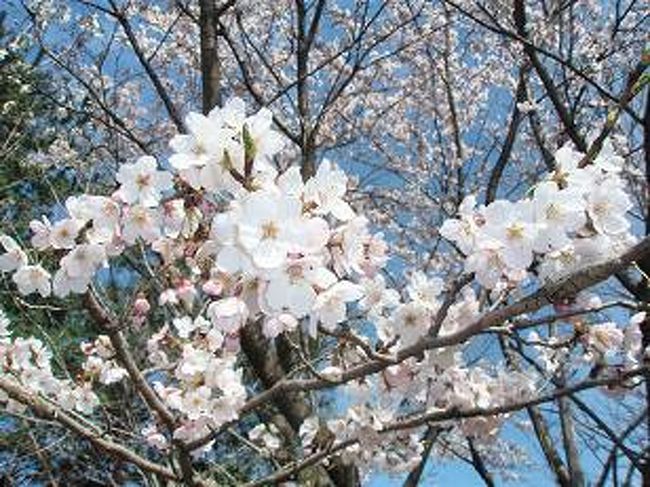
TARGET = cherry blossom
(228,314)
(376,296)
(292,288)
(141,182)
(559,212)
(411,321)
(330,307)
(327,189)
(64,233)
(266,228)
(236,244)
(32,278)
(607,205)
(217,143)
(141,222)
(14,257)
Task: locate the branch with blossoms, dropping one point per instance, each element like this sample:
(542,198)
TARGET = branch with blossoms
(548,294)
(432,418)
(243,252)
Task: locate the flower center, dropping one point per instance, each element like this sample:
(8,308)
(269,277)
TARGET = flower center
(143,180)
(110,210)
(270,230)
(410,320)
(199,149)
(295,272)
(560,177)
(601,208)
(515,231)
(140,218)
(552,212)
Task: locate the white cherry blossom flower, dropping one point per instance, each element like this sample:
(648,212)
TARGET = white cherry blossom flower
(85,400)
(194,362)
(64,233)
(204,143)
(179,221)
(14,257)
(141,222)
(291,288)
(274,325)
(111,373)
(633,339)
(463,231)
(512,225)
(215,146)
(185,325)
(559,212)
(425,290)
(267,141)
(357,250)
(411,322)
(376,296)
(330,307)
(63,284)
(105,216)
(607,205)
(228,315)
(83,260)
(265,228)
(607,159)
(141,182)
(486,263)
(559,263)
(41,230)
(290,182)
(327,189)
(196,402)
(603,340)
(31,279)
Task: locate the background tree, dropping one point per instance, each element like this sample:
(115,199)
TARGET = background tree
(426,103)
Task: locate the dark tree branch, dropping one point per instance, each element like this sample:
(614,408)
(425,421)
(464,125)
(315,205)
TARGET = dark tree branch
(146,64)
(414,476)
(509,142)
(479,464)
(210,64)
(519,17)
(99,439)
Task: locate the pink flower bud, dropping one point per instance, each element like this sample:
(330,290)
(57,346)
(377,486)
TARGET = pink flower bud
(212,287)
(141,306)
(231,343)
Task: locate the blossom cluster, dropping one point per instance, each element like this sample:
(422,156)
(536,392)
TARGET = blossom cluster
(281,249)
(237,242)
(101,362)
(205,387)
(365,424)
(603,344)
(414,386)
(575,217)
(28,362)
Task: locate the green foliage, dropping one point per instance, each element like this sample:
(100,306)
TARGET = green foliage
(24,116)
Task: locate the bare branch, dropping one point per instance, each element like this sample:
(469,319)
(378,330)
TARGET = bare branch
(100,440)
